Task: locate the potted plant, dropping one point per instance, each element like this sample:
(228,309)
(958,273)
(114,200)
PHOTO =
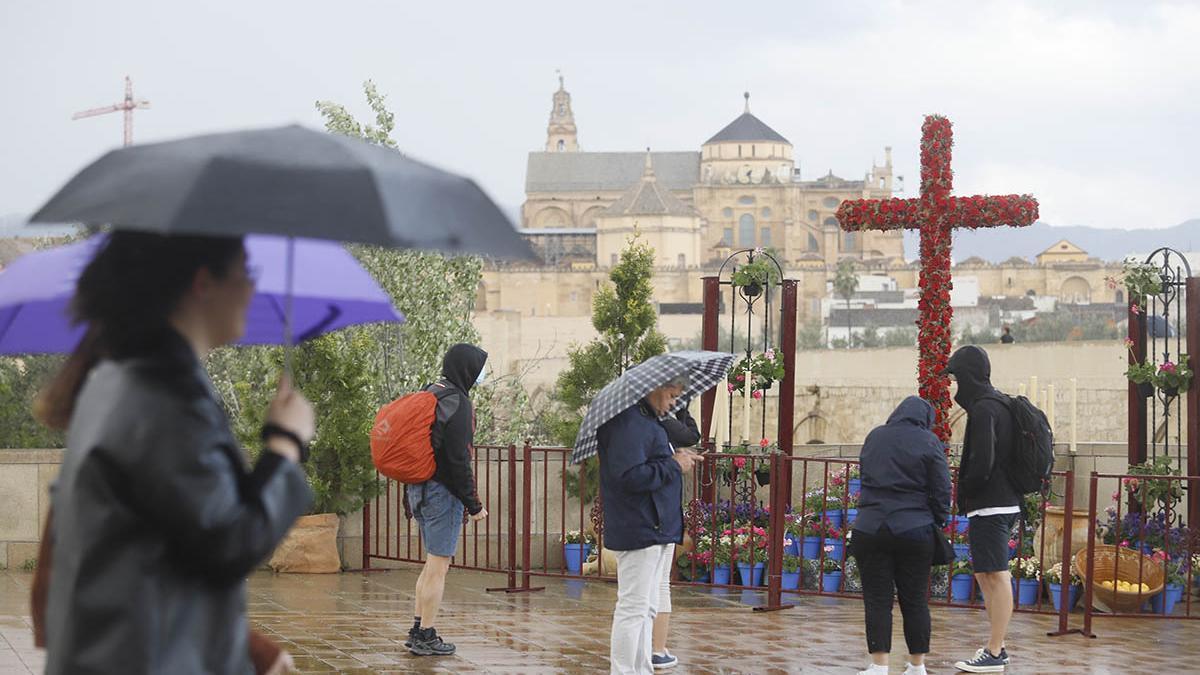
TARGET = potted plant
(722,556)
(1168,377)
(1175,573)
(750,551)
(831,572)
(1154,493)
(765,369)
(758,272)
(853,480)
(1027,576)
(1141,281)
(962,550)
(696,565)
(1054,582)
(811,530)
(577,546)
(790,580)
(834,543)
(962,580)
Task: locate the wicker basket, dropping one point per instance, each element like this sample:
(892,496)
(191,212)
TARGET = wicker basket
(1150,573)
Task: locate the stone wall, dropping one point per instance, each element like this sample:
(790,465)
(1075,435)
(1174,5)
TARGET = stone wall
(25,477)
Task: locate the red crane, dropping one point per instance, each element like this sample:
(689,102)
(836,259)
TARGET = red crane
(128,106)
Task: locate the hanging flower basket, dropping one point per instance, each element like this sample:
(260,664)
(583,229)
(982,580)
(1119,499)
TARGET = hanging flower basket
(1168,377)
(765,368)
(753,276)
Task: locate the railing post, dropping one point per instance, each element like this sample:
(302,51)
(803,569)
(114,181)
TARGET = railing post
(1090,573)
(1193,402)
(775,543)
(1068,564)
(787,386)
(511,463)
(366,533)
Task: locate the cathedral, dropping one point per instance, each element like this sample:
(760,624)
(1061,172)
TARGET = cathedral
(741,189)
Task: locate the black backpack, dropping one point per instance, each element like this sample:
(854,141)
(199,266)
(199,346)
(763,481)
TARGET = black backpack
(1031,458)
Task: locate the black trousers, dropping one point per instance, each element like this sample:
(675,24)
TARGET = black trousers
(892,565)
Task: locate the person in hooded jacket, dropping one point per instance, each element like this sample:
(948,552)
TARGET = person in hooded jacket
(438,503)
(987,496)
(682,432)
(905,494)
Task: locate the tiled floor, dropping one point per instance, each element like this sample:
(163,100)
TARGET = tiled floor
(356,623)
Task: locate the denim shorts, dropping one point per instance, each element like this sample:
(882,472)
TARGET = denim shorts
(440,515)
(988,537)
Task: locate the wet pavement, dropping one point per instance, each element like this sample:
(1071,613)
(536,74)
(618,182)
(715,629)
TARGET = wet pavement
(357,623)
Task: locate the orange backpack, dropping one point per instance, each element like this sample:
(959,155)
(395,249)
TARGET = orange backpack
(402,438)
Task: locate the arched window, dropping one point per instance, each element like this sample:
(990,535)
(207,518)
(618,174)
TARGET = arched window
(831,222)
(1120,299)
(682,260)
(812,244)
(746,230)
(764,237)
(849,241)
(561,145)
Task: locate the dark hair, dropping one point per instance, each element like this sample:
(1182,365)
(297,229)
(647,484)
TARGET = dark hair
(125,296)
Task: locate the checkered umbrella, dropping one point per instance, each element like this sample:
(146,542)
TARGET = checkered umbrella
(704,369)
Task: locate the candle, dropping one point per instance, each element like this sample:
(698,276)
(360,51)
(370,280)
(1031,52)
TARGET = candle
(1021,389)
(1033,390)
(1074,414)
(721,415)
(746,407)
(1050,405)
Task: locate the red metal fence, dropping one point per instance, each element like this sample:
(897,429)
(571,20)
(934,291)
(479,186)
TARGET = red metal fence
(782,524)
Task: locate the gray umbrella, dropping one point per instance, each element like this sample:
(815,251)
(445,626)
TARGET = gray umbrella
(287,181)
(704,369)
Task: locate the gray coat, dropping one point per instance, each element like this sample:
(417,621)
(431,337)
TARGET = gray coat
(157,522)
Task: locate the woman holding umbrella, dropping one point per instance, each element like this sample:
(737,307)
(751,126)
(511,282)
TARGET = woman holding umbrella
(156,520)
(641,485)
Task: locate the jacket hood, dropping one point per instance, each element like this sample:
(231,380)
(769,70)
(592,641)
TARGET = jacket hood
(462,365)
(913,410)
(973,371)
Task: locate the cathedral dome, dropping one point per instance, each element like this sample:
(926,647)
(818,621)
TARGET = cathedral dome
(747,128)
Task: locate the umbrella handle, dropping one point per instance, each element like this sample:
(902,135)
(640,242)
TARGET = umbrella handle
(289,337)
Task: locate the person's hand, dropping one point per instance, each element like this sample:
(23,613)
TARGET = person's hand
(476,517)
(284,664)
(290,410)
(686,460)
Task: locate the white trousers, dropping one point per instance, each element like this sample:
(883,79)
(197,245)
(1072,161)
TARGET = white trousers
(639,578)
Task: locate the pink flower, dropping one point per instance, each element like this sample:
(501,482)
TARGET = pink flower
(770,354)
(741,378)
(731,387)
(829,549)
(764,442)
(1129,343)
(1012,543)
(757,393)
(1167,367)
(739,462)
(1135,309)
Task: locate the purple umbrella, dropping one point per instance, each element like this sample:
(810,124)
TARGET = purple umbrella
(329,290)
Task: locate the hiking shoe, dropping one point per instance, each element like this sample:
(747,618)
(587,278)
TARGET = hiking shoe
(983,662)
(412,634)
(429,643)
(663,661)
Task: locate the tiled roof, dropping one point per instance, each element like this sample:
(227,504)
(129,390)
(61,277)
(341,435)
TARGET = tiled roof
(747,127)
(648,198)
(607,171)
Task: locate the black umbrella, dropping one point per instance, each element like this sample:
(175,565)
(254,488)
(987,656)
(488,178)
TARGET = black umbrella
(289,181)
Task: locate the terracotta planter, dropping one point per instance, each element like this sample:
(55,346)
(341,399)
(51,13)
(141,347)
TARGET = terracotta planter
(310,547)
(1054,528)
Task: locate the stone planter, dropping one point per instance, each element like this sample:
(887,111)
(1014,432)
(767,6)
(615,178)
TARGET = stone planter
(310,547)
(1054,528)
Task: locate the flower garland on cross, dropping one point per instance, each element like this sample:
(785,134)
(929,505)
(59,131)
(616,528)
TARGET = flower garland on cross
(936,214)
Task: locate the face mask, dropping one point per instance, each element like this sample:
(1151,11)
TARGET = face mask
(482,376)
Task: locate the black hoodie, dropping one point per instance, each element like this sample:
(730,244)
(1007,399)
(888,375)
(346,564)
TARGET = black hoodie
(453,439)
(983,480)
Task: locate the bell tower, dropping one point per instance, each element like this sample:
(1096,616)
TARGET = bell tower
(560,133)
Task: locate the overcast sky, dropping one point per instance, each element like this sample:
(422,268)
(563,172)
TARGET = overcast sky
(1091,106)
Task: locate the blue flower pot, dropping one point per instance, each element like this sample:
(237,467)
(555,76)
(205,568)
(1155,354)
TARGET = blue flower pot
(851,516)
(791,546)
(1164,603)
(835,518)
(574,555)
(721,574)
(811,548)
(1073,594)
(854,486)
(702,576)
(830,581)
(962,551)
(790,581)
(960,524)
(751,574)
(960,587)
(1027,591)
(839,549)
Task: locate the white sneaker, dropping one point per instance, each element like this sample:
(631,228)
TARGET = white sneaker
(874,669)
(910,669)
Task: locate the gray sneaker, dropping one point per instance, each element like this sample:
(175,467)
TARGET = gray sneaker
(983,662)
(663,661)
(429,643)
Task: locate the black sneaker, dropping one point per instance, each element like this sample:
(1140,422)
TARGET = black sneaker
(412,634)
(983,662)
(429,643)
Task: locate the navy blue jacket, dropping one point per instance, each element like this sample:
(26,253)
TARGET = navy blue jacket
(905,478)
(640,483)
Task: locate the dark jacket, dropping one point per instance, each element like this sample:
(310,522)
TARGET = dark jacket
(905,478)
(983,473)
(454,437)
(157,522)
(682,430)
(640,484)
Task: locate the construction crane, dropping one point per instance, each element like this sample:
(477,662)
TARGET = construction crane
(127,106)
